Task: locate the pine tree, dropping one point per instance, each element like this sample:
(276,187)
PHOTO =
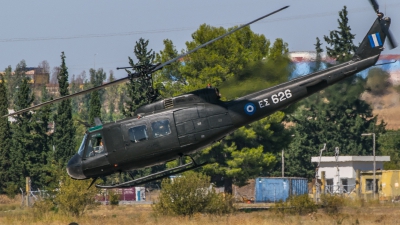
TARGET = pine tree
(5,137)
(41,141)
(138,89)
(96,79)
(64,128)
(318,58)
(22,153)
(341,40)
(111,93)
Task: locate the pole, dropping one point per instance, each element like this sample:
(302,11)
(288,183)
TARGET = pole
(373,149)
(374,170)
(283,162)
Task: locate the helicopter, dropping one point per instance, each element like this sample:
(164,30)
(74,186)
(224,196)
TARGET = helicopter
(174,127)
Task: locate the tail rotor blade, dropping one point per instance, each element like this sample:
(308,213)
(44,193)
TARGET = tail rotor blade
(374,5)
(391,41)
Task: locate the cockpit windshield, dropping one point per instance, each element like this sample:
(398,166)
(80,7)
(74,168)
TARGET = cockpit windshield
(82,147)
(95,145)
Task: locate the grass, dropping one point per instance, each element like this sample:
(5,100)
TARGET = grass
(351,213)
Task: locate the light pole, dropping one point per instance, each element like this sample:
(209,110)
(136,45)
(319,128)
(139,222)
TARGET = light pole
(373,152)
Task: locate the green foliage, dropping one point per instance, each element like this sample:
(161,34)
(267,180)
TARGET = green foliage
(137,89)
(341,40)
(73,196)
(190,194)
(335,116)
(96,79)
(298,204)
(249,152)
(114,198)
(64,133)
(390,145)
(28,153)
(331,204)
(11,189)
(318,59)
(5,137)
(377,81)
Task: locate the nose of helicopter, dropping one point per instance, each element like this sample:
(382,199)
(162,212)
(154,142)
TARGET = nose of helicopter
(74,167)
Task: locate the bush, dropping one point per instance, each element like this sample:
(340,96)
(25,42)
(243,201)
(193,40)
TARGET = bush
(331,204)
(300,204)
(114,197)
(73,196)
(190,194)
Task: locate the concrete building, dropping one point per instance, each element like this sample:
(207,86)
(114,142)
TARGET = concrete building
(340,174)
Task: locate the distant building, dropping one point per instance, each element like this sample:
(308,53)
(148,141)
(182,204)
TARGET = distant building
(304,63)
(37,76)
(340,175)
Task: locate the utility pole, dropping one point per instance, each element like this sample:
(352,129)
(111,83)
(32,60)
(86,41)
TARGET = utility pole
(373,152)
(283,162)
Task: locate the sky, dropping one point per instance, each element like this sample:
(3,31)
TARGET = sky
(102,33)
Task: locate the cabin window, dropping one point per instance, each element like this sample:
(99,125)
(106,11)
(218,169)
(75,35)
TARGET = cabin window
(95,145)
(137,134)
(161,128)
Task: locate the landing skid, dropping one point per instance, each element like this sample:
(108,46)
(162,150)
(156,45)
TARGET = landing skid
(154,176)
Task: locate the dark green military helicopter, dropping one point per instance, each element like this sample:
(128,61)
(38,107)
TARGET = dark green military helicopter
(171,128)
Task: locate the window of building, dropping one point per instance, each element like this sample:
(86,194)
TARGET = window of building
(161,128)
(137,134)
(369,185)
(345,185)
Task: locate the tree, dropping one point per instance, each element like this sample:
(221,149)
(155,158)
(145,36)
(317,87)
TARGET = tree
(64,128)
(341,40)
(389,144)
(238,64)
(318,58)
(5,137)
(377,81)
(138,88)
(96,79)
(111,97)
(22,153)
(189,194)
(169,81)
(335,116)
(221,60)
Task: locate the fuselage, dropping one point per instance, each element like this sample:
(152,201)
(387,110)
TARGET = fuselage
(178,126)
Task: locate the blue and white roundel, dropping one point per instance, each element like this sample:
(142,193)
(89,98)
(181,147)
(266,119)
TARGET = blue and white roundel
(250,108)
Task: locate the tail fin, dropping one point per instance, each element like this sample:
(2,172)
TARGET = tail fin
(372,43)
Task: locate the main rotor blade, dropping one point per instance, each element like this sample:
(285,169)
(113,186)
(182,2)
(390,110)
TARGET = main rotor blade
(216,39)
(69,96)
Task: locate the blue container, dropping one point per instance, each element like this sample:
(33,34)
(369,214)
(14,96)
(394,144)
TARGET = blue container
(274,189)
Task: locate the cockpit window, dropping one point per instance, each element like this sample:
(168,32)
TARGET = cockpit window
(95,145)
(82,147)
(137,134)
(161,128)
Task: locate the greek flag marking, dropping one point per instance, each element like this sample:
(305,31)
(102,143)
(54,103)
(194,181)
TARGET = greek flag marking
(375,40)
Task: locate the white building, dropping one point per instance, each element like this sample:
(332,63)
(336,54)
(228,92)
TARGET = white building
(344,170)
